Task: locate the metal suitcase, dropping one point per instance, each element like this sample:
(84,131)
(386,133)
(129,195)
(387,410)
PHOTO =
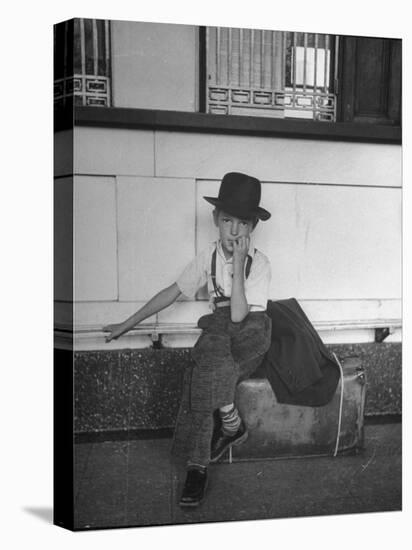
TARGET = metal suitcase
(279,430)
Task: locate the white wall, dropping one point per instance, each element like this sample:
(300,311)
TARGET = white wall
(63,241)
(95,239)
(333,239)
(156,233)
(154,65)
(278,159)
(325,242)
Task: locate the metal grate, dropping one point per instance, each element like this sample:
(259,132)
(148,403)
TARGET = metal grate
(82,62)
(271,73)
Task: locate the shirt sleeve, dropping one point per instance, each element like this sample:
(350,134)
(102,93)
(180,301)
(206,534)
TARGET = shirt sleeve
(194,275)
(258,282)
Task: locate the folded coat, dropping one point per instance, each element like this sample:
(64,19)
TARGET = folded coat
(299,367)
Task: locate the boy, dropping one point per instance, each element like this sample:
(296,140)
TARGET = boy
(234,337)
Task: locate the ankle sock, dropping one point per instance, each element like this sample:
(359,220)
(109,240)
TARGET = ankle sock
(230,421)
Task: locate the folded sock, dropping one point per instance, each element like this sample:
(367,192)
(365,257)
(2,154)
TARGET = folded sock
(230,421)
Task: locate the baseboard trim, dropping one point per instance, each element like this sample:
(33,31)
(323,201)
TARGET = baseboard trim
(167,433)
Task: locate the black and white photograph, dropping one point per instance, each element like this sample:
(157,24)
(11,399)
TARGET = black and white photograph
(227,273)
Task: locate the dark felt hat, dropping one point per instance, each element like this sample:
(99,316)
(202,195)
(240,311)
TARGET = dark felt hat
(239,195)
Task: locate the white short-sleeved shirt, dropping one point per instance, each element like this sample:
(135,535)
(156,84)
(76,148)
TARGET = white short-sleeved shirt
(198,273)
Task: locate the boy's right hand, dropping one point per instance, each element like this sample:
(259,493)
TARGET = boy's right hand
(115,330)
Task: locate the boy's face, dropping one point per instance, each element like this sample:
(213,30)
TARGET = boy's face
(231,228)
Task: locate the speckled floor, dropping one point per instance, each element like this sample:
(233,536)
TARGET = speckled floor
(135,483)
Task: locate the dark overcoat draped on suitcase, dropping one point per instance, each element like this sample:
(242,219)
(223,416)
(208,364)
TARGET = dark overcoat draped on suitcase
(299,367)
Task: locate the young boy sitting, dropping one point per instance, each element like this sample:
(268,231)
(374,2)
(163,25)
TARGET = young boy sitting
(234,338)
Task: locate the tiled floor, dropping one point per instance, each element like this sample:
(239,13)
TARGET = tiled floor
(135,483)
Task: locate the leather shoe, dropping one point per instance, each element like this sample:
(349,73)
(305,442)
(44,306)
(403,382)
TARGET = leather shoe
(222,442)
(194,488)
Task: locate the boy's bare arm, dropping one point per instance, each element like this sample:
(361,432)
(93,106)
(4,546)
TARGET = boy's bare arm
(160,301)
(238,305)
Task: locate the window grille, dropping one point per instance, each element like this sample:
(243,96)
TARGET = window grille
(82,62)
(271,73)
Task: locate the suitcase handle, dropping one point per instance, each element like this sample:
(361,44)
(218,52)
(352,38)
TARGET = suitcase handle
(340,404)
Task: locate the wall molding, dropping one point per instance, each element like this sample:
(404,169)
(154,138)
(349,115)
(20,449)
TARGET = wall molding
(127,118)
(337,321)
(183,335)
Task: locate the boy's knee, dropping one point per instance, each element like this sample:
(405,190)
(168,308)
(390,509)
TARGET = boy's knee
(212,349)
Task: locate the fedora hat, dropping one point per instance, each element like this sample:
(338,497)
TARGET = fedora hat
(239,195)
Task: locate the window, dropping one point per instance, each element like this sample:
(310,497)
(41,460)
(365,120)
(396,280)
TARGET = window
(82,63)
(302,75)
(271,73)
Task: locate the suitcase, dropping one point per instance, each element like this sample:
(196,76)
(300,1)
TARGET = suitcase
(279,430)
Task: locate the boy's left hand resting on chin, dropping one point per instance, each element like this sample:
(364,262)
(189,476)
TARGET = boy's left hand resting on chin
(240,250)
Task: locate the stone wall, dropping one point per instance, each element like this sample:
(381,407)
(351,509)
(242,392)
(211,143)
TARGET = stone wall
(140,389)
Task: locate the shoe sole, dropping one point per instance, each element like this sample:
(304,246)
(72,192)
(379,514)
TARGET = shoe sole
(241,439)
(194,504)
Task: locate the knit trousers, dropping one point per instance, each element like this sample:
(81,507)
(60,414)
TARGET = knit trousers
(224,354)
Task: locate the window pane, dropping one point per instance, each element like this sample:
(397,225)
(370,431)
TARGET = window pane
(270,73)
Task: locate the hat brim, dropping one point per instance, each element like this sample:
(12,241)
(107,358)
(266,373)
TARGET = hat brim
(239,211)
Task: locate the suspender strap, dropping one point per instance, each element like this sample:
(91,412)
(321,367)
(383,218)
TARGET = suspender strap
(213,271)
(248,264)
(213,275)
